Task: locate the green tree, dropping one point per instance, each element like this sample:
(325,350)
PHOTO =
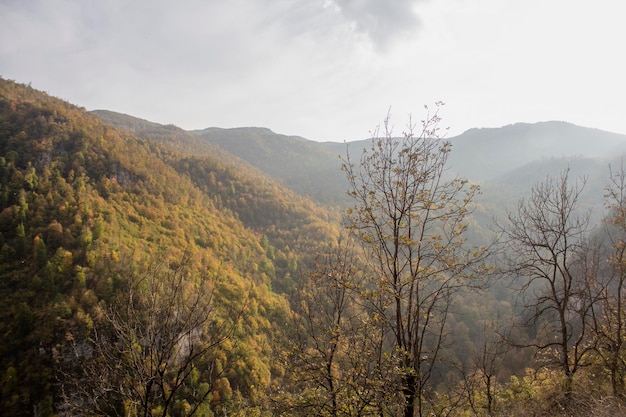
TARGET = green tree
(20,241)
(41,253)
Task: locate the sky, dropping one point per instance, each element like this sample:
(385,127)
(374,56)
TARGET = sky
(327,70)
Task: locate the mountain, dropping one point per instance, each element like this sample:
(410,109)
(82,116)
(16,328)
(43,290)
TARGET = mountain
(519,154)
(485,154)
(505,161)
(258,199)
(303,165)
(91,200)
(85,205)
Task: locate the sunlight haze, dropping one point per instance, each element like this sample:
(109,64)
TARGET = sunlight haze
(325,69)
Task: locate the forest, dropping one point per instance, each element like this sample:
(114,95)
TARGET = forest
(146,270)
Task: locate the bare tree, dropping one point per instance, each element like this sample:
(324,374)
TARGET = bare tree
(410,218)
(610,279)
(156,341)
(546,239)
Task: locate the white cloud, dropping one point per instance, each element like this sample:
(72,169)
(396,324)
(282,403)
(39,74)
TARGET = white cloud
(324,69)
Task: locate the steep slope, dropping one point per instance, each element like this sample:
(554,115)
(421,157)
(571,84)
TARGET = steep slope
(83,204)
(303,165)
(291,221)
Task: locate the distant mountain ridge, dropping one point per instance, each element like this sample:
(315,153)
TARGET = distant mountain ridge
(486,153)
(509,156)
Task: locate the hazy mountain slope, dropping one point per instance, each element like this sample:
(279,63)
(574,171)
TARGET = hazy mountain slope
(305,166)
(504,192)
(506,161)
(481,154)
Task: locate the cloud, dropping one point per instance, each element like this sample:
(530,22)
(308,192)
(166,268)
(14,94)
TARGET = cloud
(281,64)
(381,21)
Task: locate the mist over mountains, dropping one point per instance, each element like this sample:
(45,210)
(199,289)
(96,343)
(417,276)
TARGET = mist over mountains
(483,155)
(486,154)
(88,199)
(505,161)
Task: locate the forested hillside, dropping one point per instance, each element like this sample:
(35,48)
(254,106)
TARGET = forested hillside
(85,206)
(261,202)
(303,165)
(147,270)
(511,157)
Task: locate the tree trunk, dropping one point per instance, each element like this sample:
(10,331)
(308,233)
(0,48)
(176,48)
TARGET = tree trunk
(409,391)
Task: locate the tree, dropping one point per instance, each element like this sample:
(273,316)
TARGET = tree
(410,217)
(610,279)
(155,347)
(480,367)
(334,365)
(546,239)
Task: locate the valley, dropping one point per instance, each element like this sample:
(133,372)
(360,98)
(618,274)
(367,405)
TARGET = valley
(146,269)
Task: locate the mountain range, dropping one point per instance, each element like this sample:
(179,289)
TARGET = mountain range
(88,198)
(505,161)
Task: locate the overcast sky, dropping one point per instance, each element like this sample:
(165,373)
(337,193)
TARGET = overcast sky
(325,69)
